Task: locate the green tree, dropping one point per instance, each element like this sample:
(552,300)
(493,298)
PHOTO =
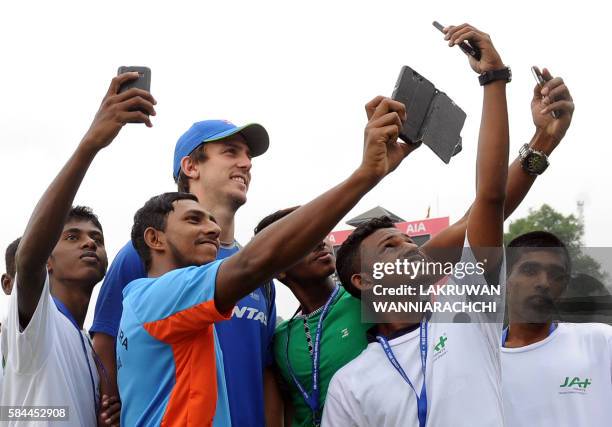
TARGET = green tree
(566,227)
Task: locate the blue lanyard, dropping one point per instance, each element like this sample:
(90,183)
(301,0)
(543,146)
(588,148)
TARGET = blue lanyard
(422,399)
(64,310)
(312,398)
(553,326)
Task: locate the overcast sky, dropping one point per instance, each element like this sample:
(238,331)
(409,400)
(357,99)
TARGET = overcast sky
(304,71)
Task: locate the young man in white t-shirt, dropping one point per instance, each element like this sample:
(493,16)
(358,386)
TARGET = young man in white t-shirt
(427,371)
(554,374)
(7,287)
(61,257)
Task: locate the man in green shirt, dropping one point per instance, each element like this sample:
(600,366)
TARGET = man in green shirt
(342,335)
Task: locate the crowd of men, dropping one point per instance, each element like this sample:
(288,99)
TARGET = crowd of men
(185,329)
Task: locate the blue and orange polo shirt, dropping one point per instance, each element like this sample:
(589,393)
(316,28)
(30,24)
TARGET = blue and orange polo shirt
(169,363)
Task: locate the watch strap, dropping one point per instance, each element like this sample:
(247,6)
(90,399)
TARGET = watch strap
(494,75)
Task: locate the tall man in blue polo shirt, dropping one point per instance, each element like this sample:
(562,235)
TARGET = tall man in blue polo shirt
(212,160)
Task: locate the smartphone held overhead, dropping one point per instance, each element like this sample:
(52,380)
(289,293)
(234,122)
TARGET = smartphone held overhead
(433,118)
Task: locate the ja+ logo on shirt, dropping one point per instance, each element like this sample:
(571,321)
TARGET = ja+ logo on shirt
(572,383)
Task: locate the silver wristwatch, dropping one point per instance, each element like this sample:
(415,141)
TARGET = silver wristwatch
(533,162)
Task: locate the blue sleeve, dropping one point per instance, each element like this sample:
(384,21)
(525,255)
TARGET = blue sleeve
(178,303)
(126,266)
(271,327)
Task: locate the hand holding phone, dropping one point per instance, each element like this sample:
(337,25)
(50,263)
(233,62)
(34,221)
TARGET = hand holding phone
(541,82)
(487,58)
(553,96)
(116,110)
(143,81)
(466,47)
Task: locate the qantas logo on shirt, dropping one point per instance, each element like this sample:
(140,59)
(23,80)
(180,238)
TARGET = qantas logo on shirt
(250,314)
(575,384)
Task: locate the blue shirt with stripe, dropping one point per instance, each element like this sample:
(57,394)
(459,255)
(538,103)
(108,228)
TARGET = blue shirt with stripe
(146,383)
(245,340)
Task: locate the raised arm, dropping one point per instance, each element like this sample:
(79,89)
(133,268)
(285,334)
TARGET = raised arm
(47,220)
(549,133)
(288,240)
(486,216)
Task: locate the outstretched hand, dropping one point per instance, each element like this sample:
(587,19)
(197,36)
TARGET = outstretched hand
(489,59)
(382,151)
(553,96)
(132,106)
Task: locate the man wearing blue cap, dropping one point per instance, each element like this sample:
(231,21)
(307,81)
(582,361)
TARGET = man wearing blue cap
(212,160)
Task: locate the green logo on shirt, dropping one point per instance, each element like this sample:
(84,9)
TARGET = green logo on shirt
(441,343)
(576,382)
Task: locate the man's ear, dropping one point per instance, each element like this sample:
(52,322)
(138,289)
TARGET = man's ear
(362,282)
(155,239)
(7,283)
(189,168)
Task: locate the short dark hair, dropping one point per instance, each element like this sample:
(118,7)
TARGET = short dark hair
(9,257)
(198,155)
(347,257)
(272,218)
(83,213)
(154,214)
(536,241)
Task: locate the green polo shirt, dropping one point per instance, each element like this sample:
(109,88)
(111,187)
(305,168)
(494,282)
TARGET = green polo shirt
(343,339)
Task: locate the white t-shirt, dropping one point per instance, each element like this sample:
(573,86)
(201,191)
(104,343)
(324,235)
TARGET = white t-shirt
(463,377)
(1,380)
(46,364)
(2,346)
(563,380)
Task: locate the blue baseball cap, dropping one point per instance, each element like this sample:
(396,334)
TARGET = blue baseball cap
(254,134)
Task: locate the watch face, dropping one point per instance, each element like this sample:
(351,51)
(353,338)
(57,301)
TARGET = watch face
(536,163)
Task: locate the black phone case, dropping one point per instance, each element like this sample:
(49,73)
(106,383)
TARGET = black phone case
(433,118)
(416,93)
(142,82)
(442,129)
